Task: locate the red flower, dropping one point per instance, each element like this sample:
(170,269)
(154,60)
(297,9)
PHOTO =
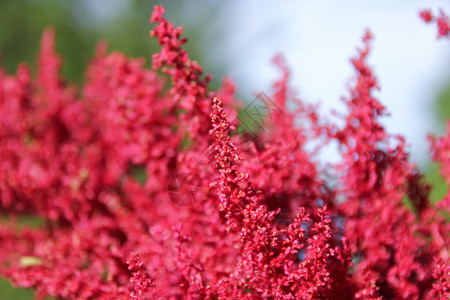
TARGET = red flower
(262,219)
(442,21)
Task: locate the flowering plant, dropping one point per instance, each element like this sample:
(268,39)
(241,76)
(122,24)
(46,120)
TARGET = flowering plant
(216,212)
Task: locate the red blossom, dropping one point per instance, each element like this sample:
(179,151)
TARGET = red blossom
(189,90)
(104,172)
(426,15)
(442,274)
(140,278)
(441,20)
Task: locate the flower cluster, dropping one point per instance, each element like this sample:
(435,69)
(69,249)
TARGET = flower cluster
(101,169)
(441,20)
(140,277)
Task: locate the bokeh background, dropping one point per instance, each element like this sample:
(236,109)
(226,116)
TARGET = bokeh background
(239,38)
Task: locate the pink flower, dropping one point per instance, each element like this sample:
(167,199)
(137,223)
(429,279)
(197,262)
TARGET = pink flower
(140,278)
(442,21)
(99,168)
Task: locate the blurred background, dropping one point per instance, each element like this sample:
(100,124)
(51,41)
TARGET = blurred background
(239,38)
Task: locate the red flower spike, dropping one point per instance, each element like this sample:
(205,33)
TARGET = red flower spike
(189,90)
(125,168)
(140,279)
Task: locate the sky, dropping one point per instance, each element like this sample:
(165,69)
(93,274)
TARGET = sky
(317,39)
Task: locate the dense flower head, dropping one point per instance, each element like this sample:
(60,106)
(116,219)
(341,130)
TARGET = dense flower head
(441,20)
(442,274)
(140,277)
(151,193)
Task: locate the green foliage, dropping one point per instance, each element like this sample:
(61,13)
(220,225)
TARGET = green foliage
(442,106)
(139,173)
(22,23)
(439,186)
(7,291)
